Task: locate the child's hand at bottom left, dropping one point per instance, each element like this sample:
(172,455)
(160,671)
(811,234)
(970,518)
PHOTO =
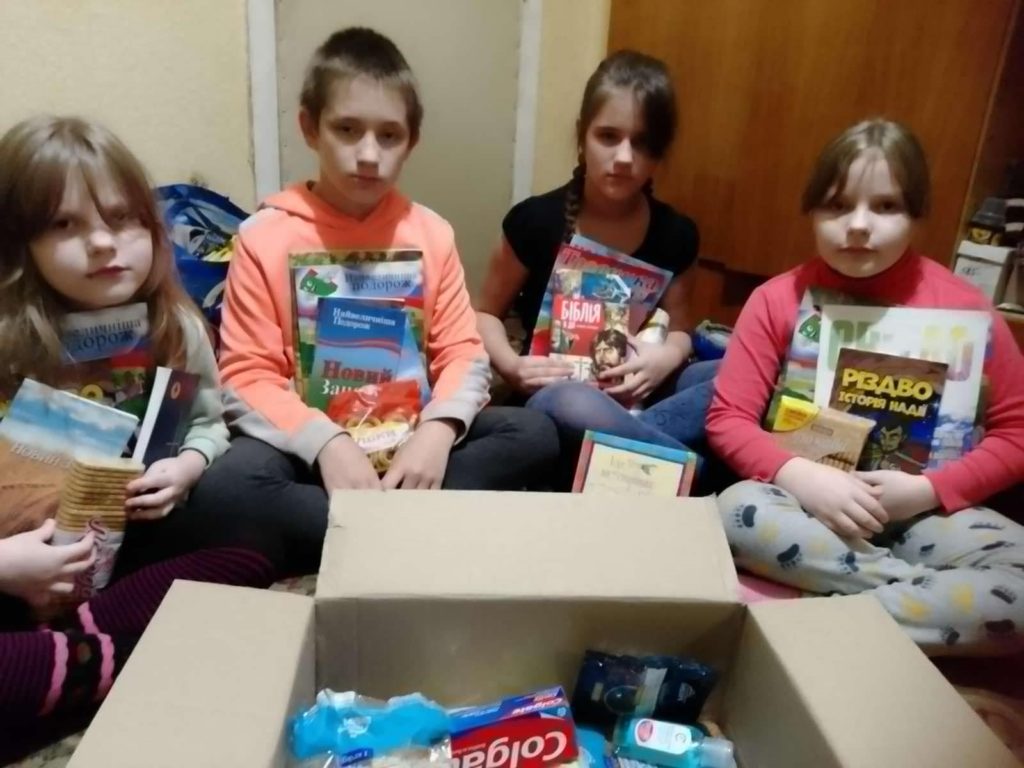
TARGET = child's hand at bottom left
(165,483)
(421,462)
(35,570)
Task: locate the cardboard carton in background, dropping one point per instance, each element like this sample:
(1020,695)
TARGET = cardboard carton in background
(1013,292)
(986,266)
(471,596)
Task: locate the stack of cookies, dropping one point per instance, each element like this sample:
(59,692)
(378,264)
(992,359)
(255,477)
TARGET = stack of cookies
(93,499)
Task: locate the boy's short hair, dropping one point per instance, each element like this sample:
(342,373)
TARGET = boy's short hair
(356,51)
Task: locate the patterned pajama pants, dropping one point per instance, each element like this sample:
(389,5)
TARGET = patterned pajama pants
(954,583)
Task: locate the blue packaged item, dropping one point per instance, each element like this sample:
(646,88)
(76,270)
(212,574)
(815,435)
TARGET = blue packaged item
(669,745)
(710,340)
(352,728)
(663,687)
(200,224)
(593,749)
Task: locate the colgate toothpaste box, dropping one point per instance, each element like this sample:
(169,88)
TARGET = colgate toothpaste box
(528,731)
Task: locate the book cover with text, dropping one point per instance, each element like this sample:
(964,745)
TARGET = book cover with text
(610,464)
(590,322)
(646,284)
(106,357)
(356,274)
(956,337)
(356,344)
(42,432)
(901,395)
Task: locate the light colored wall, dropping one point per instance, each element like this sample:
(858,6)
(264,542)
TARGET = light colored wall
(465,56)
(574,39)
(170,78)
(173,81)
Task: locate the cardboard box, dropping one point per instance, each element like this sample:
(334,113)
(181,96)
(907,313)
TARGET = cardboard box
(1013,292)
(987,266)
(472,596)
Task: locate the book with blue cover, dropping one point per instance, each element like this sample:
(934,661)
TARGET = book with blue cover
(44,420)
(357,343)
(370,274)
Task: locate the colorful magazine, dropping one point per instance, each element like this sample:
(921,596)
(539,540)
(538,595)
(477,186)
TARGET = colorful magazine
(799,369)
(590,321)
(48,420)
(366,274)
(957,338)
(356,345)
(107,356)
(646,284)
(901,395)
(43,430)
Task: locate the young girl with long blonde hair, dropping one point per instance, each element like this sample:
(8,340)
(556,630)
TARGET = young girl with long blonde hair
(80,230)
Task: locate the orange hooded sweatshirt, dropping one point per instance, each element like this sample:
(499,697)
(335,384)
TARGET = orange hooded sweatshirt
(257,361)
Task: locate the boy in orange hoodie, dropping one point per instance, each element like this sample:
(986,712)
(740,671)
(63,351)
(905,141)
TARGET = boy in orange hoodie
(361,114)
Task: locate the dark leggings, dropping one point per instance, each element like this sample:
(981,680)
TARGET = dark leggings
(53,678)
(257,497)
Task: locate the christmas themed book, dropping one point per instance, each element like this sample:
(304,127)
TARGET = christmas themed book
(958,338)
(901,395)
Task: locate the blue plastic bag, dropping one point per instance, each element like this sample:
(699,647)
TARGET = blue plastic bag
(355,729)
(201,225)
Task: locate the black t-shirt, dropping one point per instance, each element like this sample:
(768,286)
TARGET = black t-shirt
(535,228)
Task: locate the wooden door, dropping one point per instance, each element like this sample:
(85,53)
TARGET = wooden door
(763,84)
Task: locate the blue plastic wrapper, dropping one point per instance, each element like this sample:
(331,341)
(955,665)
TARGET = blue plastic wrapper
(352,728)
(662,687)
(710,340)
(593,749)
(200,224)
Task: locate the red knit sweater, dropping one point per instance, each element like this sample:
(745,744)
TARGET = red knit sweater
(745,382)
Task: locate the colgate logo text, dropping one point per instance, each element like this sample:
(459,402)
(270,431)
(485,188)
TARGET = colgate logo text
(504,753)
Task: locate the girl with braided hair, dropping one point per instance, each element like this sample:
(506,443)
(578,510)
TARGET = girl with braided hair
(626,123)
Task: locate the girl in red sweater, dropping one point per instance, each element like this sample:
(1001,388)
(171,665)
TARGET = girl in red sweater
(950,571)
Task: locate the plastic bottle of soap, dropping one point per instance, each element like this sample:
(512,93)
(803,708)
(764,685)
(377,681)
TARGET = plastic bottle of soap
(670,745)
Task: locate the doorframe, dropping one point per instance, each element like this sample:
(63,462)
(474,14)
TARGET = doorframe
(261,25)
(527,88)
